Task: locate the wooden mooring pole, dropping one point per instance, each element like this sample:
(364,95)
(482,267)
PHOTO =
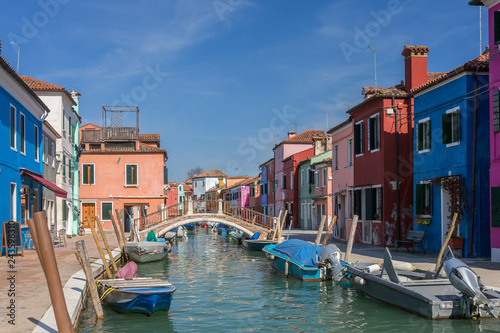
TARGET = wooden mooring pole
(350,241)
(320,230)
(98,244)
(108,249)
(329,231)
(118,218)
(281,227)
(117,232)
(83,258)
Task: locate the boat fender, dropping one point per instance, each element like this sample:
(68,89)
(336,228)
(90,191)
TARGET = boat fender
(372,268)
(272,257)
(359,280)
(286,268)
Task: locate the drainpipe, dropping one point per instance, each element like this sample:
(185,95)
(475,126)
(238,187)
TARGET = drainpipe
(473,191)
(398,209)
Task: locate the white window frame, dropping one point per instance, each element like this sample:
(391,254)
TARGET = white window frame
(53,153)
(13,113)
(323,177)
(132,185)
(302,177)
(425,120)
(316,176)
(21,150)
(36,142)
(377,133)
(457,111)
(349,151)
(361,139)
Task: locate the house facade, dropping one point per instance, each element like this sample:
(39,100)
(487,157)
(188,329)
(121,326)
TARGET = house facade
(64,119)
(207,180)
(119,170)
(342,176)
(266,185)
(49,202)
(321,166)
(306,195)
(451,158)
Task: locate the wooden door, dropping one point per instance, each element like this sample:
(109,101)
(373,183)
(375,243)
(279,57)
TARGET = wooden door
(88,209)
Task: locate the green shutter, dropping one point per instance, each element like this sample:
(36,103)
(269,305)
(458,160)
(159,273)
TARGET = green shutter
(496,109)
(430,198)
(496,24)
(446,119)
(64,210)
(495,207)
(91,175)
(105,208)
(129,174)
(419,194)
(420,136)
(85,174)
(428,135)
(70,170)
(64,166)
(165,175)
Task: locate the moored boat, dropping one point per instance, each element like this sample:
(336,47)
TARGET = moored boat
(146,251)
(256,244)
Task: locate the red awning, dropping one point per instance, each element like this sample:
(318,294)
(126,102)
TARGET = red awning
(59,192)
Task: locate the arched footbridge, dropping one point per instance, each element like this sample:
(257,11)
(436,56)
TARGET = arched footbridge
(191,211)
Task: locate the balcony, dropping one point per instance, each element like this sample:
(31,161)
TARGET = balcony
(110,134)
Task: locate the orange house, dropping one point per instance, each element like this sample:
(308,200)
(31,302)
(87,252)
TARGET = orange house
(120,169)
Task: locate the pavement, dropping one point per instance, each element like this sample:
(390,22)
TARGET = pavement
(32,300)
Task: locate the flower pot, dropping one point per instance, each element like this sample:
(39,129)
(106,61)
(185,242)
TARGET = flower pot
(456,243)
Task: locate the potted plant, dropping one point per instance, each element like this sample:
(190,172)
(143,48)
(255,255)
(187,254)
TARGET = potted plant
(456,243)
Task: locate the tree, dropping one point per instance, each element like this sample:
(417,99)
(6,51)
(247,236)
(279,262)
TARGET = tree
(194,172)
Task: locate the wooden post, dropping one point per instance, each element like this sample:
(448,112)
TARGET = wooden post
(83,258)
(276,228)
(52,276)
(452,227)
(117,232)
(101,253)
(108,249)
(320,230)
(120,225)
(34,236)
(330,228)
(281,227)
(350,241)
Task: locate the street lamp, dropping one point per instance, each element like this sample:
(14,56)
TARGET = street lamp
(18,52)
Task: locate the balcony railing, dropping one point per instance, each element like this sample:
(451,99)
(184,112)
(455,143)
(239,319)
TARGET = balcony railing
(110,134)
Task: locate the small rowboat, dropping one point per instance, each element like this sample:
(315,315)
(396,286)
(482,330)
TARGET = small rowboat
(141,295)
(256,244)
(146,251)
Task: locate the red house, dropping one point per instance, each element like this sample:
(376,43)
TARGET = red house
(383,160)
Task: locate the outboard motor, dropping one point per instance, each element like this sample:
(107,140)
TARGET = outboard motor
(464,279)
(332,255)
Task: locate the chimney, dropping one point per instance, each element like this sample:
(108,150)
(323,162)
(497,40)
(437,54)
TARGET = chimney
(0,47)
(415,65)
(291,134)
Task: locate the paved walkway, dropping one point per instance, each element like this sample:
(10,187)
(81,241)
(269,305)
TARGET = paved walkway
(31,292)
(33,300)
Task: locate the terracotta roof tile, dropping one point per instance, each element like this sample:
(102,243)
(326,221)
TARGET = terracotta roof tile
(211,173)
(479,64)
(39,85)
(150,137)
(305,137)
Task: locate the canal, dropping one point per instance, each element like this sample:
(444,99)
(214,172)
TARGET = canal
(221,287)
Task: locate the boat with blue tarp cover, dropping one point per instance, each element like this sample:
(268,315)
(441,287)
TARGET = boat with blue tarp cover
(304,260)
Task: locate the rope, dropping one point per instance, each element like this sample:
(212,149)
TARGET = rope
(106,293)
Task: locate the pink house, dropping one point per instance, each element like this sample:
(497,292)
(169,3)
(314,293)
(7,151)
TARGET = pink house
(292,145)
(342,176)
(494,65)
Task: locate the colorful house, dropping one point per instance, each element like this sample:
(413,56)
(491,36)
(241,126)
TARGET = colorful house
(494,130)
(65,120)
(451,157)
(306,192)
(207,180)
(290,183)
(21,169)
(255,201)
(342,176)
(266,186)
(383,149)
(120,169)
(293,144)
(49,202)
(321,165)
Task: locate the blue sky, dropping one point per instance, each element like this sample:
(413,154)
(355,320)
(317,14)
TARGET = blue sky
(222,81)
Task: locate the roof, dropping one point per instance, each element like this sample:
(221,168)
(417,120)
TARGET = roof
(16,77)
(215,173)
(143,148)
(39,85)
(479,64)
(339,126)
(267,162)
(305,137)
(153,137)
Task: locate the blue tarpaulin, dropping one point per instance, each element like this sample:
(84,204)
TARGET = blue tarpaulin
(301,251)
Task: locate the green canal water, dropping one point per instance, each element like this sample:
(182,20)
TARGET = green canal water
(221,287)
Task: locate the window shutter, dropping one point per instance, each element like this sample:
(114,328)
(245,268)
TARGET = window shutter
(429,186)
(495,207)
(64,210)
(496,23)
(496,99)
(357,203)
(356,139)
(85,175)
(369,203)
(419,190)
(428,135)
(371,133)
(91,174)
(64,166)
(446,126)
(420,136)
(165,175)
(456,126)
(129,174)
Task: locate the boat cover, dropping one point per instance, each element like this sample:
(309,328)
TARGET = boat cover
(151,236)
(150,247)
(127,272)
(256,235)
(301,251)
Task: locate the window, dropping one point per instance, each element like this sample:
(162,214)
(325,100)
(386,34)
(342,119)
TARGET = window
(357,203)
(310,176)
(374,133)
(64,166)
(105,208)
(181,199)
(323,176)
(13,201)
(349,203)
(291,180)
(88,174)
(358,138)
(349,152)
(165,176)
(131,174)
(495,207)
(70,170)
(496,95)
(22,134)
(496,24)
(203,183)
(13,133)
(64,210)
(301,177)
(63,119)
(37,144)
(53,154)
(423,199)
(283,181)
(45,150)
(451,127)
(336,158)
(373,203)
(317,178)
(424,135)
(265,188)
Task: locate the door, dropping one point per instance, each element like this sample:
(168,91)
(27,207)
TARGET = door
(88,209)
(128,215)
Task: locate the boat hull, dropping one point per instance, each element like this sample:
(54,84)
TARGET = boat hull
(142,252)
(256,244)
(143,257)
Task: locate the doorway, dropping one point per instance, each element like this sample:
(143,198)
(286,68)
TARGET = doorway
(342,216)
(128,215)
(445,212)
(88,209)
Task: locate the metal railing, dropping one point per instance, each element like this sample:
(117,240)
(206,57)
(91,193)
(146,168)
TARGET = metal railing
(247,215)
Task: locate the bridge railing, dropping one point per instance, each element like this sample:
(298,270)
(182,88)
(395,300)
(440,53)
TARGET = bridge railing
(161,216)
(205,206)
(247,215)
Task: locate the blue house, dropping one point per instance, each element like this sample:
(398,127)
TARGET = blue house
(451,158)
(264,186)
(21,117)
